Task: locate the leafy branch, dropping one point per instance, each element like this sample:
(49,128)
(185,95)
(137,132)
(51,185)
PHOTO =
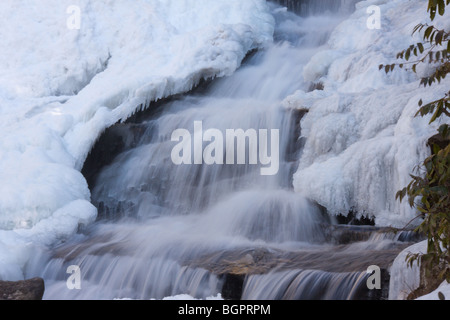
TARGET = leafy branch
(429,190)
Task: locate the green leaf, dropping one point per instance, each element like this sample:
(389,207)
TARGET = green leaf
(407,54)
(438,111)
(420,46)
(427,33)
(444,131)
(436,148)
(439,37)
(418,28)
(441,6)
(432,13)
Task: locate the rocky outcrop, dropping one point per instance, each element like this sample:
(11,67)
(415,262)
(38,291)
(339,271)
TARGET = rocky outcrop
(31,289)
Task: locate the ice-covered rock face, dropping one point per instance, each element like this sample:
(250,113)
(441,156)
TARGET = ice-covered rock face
(63,82)
(362,140)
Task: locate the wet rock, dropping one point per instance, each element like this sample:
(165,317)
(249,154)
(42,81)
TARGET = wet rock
(316,86)
(296,142)
(31,289)
(345,234)
(353,218)
(232,286)
(376,294)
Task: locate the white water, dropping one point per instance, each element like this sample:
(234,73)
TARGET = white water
(170,215)
(161,221)
(304,285)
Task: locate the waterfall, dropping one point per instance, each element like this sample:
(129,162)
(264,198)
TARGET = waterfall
(305,284)
(159,221)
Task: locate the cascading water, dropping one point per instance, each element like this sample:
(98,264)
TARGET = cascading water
(305,284)
(167,229)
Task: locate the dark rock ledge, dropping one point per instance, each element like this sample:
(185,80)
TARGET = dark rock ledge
(31,289)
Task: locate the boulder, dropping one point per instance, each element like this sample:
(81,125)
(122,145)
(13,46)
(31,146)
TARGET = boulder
(31,289)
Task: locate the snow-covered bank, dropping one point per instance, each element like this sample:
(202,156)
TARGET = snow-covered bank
(405,279)
(444,288)
(60,87)
(362,140)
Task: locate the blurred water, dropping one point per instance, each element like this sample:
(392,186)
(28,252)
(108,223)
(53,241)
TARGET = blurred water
(157,217)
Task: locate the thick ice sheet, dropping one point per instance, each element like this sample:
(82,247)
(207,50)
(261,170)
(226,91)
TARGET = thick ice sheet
(59,88)
(362,138)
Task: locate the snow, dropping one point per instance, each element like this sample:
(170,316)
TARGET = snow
(444,288)
(405,279)
(61,87)
(188,297)
(362,140)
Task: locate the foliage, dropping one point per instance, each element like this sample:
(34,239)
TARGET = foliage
(429,190)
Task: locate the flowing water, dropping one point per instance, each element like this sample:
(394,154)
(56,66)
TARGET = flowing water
(167,229)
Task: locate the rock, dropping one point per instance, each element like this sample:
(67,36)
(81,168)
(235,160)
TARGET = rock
(31,289)
(232,287)
(346,234)
(296,142)
(316,86)
(308,7)
(355,219)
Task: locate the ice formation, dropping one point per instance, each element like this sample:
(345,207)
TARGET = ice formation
(61,86)
(362,140)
